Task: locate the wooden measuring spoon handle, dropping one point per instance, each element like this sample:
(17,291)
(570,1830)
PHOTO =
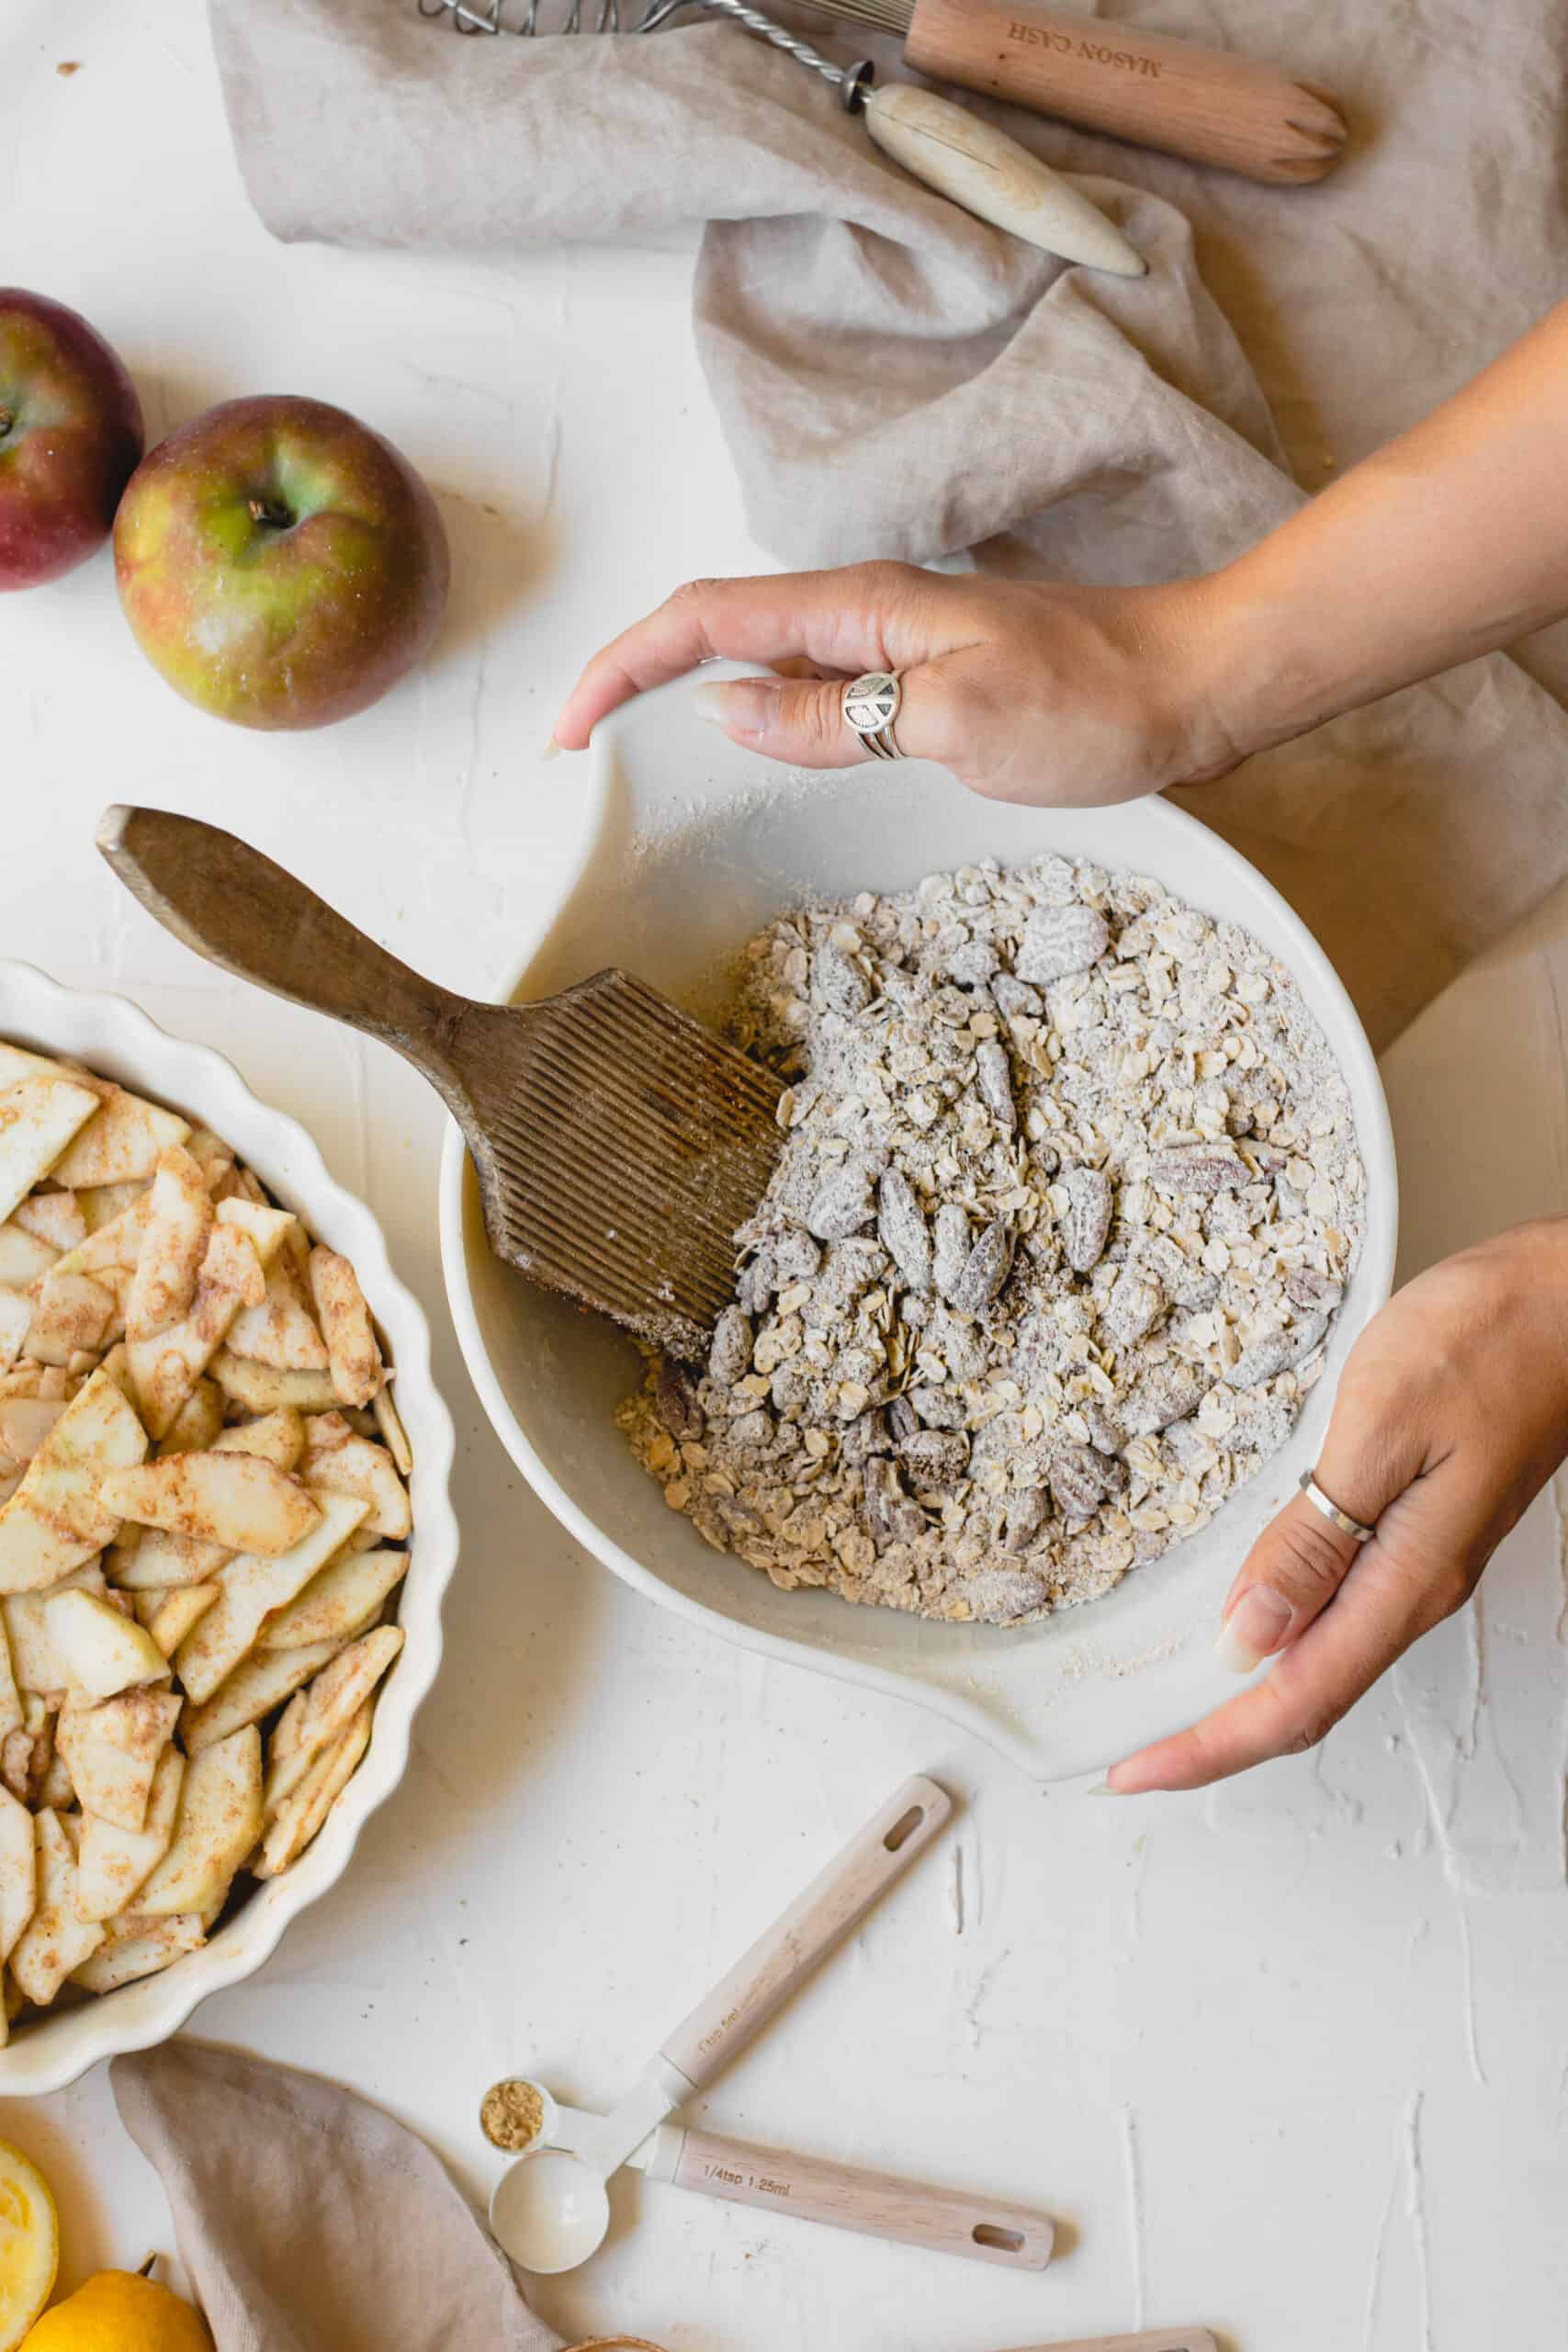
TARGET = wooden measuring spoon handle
(1160,2339)
(1210,105)
(875,2204)
(758,1986)
(248,916)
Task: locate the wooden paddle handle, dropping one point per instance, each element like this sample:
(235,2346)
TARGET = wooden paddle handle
(873,2204)
(1209,105)
(758,1986)
(250,917)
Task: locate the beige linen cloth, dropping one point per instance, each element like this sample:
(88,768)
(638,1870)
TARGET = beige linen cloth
(893,378)
(307,2220)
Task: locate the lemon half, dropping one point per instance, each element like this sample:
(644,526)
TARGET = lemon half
(29,2246)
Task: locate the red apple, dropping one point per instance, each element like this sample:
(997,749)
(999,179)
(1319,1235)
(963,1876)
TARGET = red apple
(280,564)
(70,435)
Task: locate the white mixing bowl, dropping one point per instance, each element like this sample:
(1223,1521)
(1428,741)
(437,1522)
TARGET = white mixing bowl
(698,846)
(117,1039)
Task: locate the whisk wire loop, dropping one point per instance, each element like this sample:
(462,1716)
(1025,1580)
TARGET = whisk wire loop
(492,16)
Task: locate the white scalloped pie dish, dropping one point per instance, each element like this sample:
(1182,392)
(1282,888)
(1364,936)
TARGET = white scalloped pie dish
(699,843)
(114,1037)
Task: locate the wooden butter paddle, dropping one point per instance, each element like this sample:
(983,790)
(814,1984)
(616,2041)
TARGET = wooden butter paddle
(617,1143)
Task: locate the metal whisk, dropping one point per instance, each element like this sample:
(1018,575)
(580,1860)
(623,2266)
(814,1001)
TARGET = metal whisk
(467,16)
(954,153)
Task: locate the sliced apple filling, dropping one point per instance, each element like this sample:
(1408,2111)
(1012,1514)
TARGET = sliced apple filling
(204,1522)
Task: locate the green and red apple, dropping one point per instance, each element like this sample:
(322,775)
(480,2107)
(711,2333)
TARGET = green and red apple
(69,437)
(280,564)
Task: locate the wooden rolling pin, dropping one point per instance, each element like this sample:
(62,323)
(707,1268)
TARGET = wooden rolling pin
(1209,105)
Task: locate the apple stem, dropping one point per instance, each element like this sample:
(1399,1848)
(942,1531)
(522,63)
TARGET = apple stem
(268,510)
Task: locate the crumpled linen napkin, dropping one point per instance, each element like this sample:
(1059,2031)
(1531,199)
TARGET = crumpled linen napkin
(309,2220)
(893,378)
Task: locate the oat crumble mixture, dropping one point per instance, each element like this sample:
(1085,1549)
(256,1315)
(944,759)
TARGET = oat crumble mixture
(1069,1198)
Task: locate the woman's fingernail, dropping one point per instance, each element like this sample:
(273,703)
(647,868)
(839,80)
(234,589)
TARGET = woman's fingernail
(552,750)
(745,706)
(1104,1789)
(1254,1627)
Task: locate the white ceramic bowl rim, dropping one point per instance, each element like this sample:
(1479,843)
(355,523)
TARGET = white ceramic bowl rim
(114,1036)
(640,737)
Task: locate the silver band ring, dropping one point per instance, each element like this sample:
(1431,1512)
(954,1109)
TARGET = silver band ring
(870,707)
(1332,1512)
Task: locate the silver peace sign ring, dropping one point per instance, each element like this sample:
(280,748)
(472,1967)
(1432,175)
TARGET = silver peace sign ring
(870,707)
(1332,1512)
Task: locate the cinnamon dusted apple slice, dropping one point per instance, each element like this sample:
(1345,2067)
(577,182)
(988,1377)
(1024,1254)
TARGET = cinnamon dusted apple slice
(121,1143)
(101,1203)
(35,1661)
(218,1821)
(54,1940)
(72,1315)
(259,1684)
(25,1425)
(303,1812)
(116,1366)
(102,1652)
(39,1114)
(51,1217)
(173,1244)
(168,1367)
(16,1319)
(115,1241)
(318,1716)
(253,1585)
(277,1437)
(113,1752)
(10,1697)
(261,1389)
(169,1616)
(18,1871)
(389,1423)
(161,1557)
(266,1228)
(147,1946)
(17,1063)
(56,1521)
(342,1596)
(234,1498)
(159,1562)
(24,1258)
(211,1155)
(337,1462)
(282,1332)
(345,1318)
(198,1424)
(114,1862)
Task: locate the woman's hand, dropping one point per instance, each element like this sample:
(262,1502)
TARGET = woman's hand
(1026,692)
(1451,1415)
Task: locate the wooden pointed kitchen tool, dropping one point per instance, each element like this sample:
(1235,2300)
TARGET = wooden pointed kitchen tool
(617,1143)
(1160,2339)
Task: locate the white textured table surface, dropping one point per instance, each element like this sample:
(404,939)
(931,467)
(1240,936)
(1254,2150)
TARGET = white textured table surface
(1291,2059)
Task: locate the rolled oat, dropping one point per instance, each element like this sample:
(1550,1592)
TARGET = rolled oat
(1068,1197)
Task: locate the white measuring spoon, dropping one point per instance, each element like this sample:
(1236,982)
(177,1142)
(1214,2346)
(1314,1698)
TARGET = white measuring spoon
(550,2210)
(810,2188)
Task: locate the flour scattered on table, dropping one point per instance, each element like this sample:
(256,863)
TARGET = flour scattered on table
(1069,1198)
